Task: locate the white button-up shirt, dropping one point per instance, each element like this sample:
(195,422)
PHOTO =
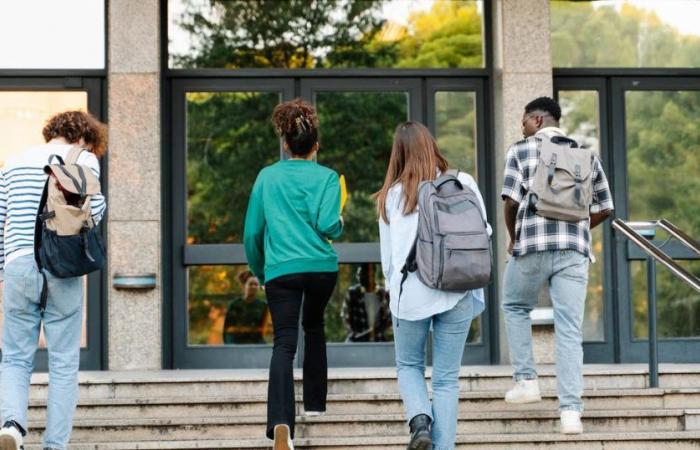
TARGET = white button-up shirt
(418,301)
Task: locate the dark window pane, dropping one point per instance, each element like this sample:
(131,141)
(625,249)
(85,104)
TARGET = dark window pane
(619,33)
(455,126)
(298,34)
(359,308)
(229,140)
(663,144)
(580,120)
(357,130)
(226,305)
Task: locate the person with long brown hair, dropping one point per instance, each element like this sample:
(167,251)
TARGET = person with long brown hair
(22,181)
(293,213)
(415,158)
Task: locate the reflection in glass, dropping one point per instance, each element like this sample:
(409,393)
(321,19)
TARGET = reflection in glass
(357,130)
(580,120)
(663,144)
(226,305)
(298,34)
(359,308)
(455,126)
(229,140)
(624,33)
(23,115)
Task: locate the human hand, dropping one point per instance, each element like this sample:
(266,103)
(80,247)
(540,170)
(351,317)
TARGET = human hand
(510,247)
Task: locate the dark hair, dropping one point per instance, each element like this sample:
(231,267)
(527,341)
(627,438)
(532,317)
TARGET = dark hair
(296,121)
(546,104)
(75,125)
(244,276)
(415,157)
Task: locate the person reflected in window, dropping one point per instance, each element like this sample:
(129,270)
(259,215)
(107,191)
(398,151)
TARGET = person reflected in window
(246,315)
(293,214)
(366,309)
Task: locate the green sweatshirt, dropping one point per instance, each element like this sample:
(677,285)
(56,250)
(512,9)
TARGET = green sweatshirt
(293,211)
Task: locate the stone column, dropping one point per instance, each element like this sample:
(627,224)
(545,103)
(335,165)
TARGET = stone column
(523,71)
(134,227)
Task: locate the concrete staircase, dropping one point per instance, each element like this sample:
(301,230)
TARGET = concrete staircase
(226,410)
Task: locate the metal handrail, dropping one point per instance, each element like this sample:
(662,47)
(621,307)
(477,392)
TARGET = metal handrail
(629,229)
(659,255)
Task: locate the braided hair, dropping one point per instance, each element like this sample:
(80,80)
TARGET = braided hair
(296,121)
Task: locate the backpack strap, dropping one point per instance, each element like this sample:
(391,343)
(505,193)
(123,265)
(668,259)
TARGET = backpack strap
(73,154)
(58,157)
(38,228)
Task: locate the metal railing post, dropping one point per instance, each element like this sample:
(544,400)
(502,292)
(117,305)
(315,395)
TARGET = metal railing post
(651,312)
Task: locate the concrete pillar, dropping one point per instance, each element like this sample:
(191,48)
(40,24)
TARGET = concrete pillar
(135,336)
(523,71)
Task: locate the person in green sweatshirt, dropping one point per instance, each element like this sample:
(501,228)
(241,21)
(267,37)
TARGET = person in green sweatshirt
(293,215)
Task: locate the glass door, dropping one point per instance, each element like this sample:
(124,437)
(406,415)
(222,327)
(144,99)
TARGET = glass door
(25,105)
(222,138)
(657,160)
(584,117)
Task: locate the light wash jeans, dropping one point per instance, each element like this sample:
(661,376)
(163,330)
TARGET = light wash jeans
(450,331)
(62,325)
(566,271)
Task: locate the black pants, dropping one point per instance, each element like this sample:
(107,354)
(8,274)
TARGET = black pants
(284,296)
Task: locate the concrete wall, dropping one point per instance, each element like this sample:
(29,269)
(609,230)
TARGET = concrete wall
(135,335)
(522,59)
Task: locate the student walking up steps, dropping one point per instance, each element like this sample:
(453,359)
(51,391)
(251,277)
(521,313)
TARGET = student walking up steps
(416,307)
(294,211)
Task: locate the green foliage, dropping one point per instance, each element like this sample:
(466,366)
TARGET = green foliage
(587,36)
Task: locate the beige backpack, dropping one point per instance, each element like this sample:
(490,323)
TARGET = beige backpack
(66,241)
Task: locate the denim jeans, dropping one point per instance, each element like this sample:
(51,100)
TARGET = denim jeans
(566,271)
(62,326)
(287,296)
(450,330)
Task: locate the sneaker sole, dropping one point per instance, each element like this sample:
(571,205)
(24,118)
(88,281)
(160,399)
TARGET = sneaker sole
(421,442)
(8,443)
(576,431)
(523,400)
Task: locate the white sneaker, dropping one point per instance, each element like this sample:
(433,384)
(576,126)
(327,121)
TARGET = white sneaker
(314,413)
(11,438)
(283,438)
(571,422)
(524,391)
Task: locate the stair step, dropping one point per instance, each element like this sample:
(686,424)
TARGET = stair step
(587,441)
(230,427)
(212,383)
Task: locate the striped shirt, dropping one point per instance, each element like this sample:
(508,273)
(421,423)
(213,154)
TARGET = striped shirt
(22,181)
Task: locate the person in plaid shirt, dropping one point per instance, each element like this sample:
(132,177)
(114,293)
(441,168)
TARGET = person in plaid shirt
(546,250)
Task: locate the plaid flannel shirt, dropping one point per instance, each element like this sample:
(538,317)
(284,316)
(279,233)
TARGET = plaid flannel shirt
(534,233)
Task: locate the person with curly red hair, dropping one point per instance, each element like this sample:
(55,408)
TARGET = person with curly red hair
(22,182)
(293,214)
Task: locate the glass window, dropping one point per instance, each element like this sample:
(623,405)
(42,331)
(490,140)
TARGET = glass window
(39,34)
(580,120)
(663,144)
(625,33)
(22,117)
(357,130)
(227,306)
(455,128)
(298,34)
(229,140)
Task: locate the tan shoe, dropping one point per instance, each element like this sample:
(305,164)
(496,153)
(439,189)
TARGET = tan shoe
(283,438)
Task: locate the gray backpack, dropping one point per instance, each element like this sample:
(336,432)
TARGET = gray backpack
(452,250)
(562,188)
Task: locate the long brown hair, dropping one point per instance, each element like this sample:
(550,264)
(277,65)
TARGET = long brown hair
(415,157)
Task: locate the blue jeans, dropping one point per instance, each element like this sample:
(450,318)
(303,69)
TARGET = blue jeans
(62,325)
(450,330)
(566,271)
